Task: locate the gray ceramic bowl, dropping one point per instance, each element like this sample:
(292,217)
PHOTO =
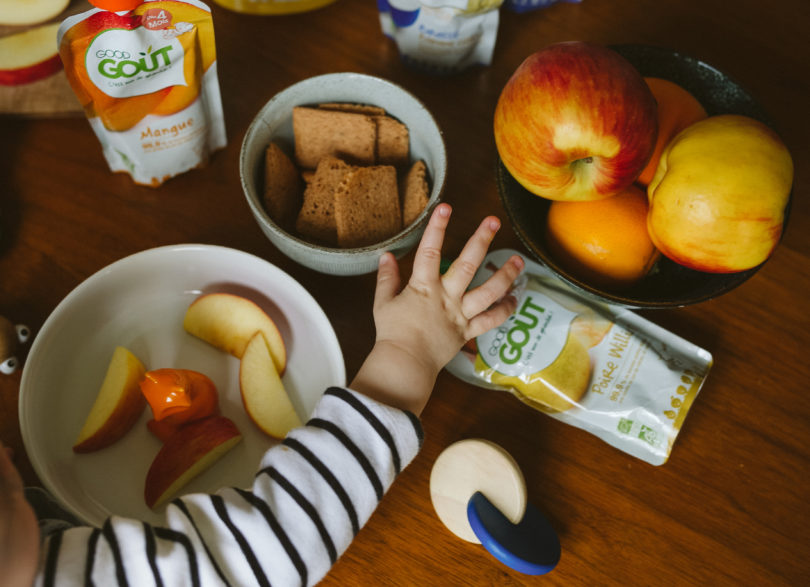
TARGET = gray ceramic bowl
(668,284)
(274,123)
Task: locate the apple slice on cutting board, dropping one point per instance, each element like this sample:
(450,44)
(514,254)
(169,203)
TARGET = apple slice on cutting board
(263,395)
(28,12)
(118,404)
(187,453)
(228,322)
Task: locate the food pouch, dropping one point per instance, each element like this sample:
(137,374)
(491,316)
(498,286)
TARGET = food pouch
(529,5)
(146,75)
(598,367)
(441,36)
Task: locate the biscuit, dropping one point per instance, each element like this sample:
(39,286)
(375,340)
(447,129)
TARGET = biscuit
(367,208)
(356,108)
(415,193)
(393,141)
(316,219)
(321,132)
(282,187)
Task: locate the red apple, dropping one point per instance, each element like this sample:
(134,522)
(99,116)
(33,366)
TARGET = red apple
(187,453)
(118,404)
(575,121)
(29,56)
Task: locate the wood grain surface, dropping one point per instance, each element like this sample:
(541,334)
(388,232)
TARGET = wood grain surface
(730,507)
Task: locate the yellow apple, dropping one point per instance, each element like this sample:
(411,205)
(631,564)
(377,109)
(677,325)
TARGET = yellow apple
(719,194)
(187,453)
(263,394)
(228,322)
(575,122)
(118,404)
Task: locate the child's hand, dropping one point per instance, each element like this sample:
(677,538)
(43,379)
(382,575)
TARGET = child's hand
(19,533)
(423,326)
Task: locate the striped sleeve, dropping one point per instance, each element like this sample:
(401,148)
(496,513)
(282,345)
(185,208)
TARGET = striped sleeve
(312,494)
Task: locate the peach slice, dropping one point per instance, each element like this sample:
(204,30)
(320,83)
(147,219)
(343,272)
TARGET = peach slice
(118,404)
(228,322)
(263,395)
(188,452)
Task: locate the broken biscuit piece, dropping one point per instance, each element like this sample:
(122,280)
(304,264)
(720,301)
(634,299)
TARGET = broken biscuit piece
(316,219)
(415,195)
(282,187)
(367,209)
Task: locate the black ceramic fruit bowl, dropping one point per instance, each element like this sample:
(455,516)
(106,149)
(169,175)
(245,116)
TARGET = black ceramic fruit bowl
(668,285)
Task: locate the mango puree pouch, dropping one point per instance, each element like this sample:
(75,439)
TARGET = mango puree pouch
(598,367)
(146,77)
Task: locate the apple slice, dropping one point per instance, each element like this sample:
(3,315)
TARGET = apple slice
(263,395)
(118,405)
(228,322)
(187,453)
(29,56)
(28,12)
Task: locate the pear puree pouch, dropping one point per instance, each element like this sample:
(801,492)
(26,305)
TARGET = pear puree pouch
(147,80)
(599,367)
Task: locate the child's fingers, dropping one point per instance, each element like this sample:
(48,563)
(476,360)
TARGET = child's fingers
(463,269)
(482,297)
(429,253)
(388,281)
(491,318)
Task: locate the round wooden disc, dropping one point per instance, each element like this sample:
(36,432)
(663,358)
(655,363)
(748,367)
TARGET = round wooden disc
(473,465)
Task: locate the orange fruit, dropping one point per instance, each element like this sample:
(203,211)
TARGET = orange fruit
(677,109)
(603,242)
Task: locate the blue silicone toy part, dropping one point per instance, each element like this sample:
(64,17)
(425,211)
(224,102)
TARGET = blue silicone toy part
(531,546)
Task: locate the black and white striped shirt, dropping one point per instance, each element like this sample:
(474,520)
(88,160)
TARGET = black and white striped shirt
(312,494)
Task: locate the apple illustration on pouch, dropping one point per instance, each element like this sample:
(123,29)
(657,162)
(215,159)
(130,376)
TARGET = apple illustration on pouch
(575,122)
(29,56)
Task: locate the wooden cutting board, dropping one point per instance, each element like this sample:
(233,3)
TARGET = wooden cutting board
(51,96)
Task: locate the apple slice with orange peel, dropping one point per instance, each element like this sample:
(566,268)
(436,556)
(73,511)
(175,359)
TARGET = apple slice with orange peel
(263,395)
(118,404)
(188,452)
(229,321)
(28,12)
(29,56)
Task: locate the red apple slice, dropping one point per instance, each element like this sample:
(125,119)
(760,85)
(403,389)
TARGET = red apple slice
(28,12)
(263,394)
(29,56)
(228,322)
(118,404)
(187,453)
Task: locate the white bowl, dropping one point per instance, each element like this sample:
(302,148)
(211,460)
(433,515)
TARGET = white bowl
(274,123)
(139,302)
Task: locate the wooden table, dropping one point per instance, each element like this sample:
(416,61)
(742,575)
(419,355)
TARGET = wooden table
(730,506)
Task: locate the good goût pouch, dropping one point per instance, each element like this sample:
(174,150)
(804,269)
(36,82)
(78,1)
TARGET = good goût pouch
(595,366)
(146,75)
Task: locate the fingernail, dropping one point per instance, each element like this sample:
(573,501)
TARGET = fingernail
(494,224)
(444,210)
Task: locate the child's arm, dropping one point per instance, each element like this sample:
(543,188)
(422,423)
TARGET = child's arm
(316,489)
